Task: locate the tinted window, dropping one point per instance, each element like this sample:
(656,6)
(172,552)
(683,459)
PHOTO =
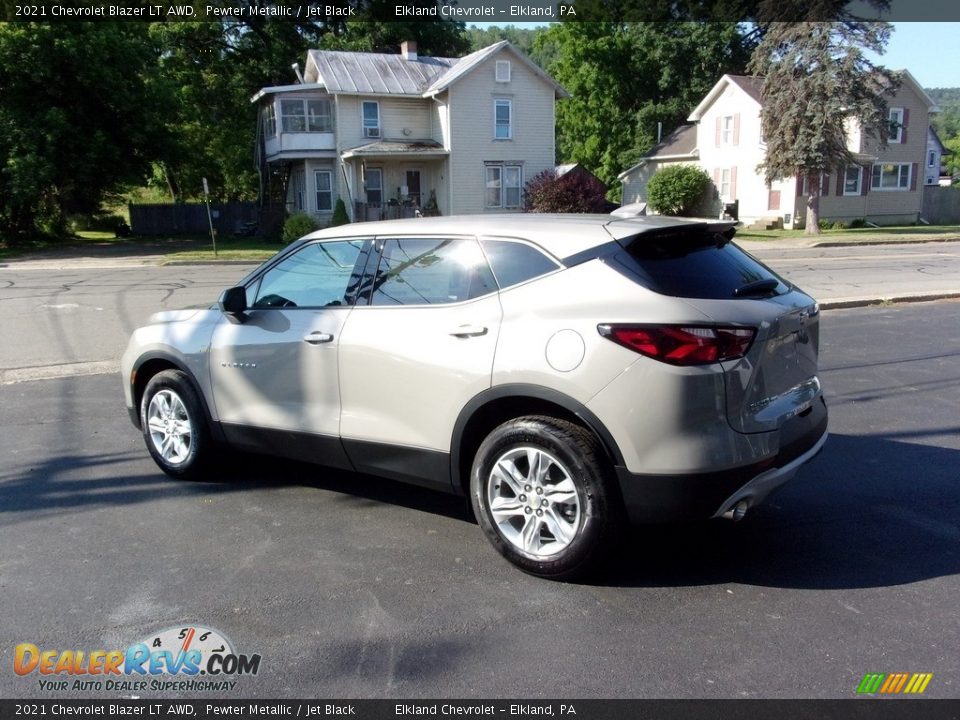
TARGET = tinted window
(516,262)
(315,276)
(695,265)
(420,271)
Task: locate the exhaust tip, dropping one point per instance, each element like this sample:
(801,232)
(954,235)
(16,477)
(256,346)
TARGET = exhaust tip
(737,512)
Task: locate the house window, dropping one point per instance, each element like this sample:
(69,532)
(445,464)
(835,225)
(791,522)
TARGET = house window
(502,119)
(374,178)
(503,71)
(726,129)
(725,183)
(319,117)
(931,159)
(371,118)
(851,180)
(306,116)
(269,121)
(324,180)
(890,176)
(896,125)
(503,185)
(297,181)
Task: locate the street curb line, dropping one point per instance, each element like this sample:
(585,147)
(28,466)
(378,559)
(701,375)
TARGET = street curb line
(841,303)
(831,243)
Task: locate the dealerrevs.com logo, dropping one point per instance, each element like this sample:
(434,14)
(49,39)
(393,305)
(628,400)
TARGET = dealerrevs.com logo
(894,683)
(174,659)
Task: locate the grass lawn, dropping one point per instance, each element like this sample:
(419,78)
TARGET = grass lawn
(40,244)
(890,234)
(251,249)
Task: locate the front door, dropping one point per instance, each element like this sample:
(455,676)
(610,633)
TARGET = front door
(276,369)
(412,181)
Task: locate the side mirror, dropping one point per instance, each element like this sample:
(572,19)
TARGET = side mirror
(233,301)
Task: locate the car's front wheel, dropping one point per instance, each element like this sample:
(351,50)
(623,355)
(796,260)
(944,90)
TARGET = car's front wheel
(542,492)
(174,424)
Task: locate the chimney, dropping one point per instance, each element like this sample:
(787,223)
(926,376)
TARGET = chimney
(408,48)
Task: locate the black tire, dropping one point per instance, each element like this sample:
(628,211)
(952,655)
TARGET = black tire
(572,452)
(192,456)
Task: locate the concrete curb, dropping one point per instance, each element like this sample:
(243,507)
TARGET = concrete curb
(840,303)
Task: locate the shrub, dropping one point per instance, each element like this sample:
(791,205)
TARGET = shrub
(858,223)
(677,189)
(839,225)
(339,214)
(825,224)
(570,193)
(296,226)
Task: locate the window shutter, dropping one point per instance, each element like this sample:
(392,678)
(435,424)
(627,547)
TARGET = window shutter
(736,129)
(913,176)
(824,185)
(799,184)
(866,179)
(906,120)
(717,138)
(716,178)
(733,183)
(841,179)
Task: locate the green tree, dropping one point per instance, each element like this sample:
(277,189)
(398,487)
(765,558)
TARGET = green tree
(816,79)
(80,116)
(625,78)
(677,189)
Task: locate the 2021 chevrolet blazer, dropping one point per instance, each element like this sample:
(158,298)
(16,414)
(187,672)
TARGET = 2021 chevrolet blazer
(568,373)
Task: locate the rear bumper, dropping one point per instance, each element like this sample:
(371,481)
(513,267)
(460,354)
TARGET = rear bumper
(665,498)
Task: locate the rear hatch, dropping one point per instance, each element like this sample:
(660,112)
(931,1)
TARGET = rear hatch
(777,379)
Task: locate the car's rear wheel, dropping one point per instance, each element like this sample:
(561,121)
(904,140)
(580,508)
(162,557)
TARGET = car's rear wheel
(542,492)
(174,425)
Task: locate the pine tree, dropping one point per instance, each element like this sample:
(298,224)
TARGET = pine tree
(816,81)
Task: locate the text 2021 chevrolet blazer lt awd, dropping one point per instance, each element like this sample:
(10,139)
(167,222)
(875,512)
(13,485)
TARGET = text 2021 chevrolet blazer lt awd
(568,373)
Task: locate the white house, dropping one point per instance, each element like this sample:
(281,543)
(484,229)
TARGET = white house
(932,168)
(394,134)
(883,186)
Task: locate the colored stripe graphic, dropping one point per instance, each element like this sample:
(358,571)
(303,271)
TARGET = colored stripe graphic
(894,683)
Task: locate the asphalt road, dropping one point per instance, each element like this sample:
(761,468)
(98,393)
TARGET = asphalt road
(78,315)
(350,586)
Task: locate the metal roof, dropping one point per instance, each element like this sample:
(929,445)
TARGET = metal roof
(377,73)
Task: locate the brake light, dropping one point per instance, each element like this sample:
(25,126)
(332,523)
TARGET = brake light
(683,344)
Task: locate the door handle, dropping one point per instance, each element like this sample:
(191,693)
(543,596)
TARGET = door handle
(465,331)
(317,338)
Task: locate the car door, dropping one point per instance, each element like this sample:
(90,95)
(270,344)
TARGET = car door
(418,345)
(274,371)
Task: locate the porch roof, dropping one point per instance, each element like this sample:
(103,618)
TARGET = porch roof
(398,149)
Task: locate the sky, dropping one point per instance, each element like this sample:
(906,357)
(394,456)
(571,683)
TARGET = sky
(929,50)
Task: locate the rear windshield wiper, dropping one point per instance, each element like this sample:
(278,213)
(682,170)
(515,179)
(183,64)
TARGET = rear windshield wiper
(758,288)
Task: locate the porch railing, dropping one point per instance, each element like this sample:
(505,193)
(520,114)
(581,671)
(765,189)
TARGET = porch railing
(364,211)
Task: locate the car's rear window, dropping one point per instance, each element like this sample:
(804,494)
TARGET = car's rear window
(696,265)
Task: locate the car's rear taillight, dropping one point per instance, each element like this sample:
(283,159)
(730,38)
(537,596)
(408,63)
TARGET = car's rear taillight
(683,344)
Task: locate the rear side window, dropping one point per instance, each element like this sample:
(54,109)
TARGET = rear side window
(516,262)
(696,265)
(430,271)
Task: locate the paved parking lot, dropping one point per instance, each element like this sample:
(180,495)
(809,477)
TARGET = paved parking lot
(349,586)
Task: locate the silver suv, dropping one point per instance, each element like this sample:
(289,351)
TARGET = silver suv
(568,373)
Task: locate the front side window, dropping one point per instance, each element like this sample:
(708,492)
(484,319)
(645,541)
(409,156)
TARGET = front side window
(851,180)
(371,118)
(890,176)
(931,159)
(317,275)
(493,186)
(503,116)
(725,183)
(319,116)
(293,116)
(431,271)
(896,125)
(324,180)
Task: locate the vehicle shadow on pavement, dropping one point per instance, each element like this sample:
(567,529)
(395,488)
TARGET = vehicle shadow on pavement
(870,511)
(243,470)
